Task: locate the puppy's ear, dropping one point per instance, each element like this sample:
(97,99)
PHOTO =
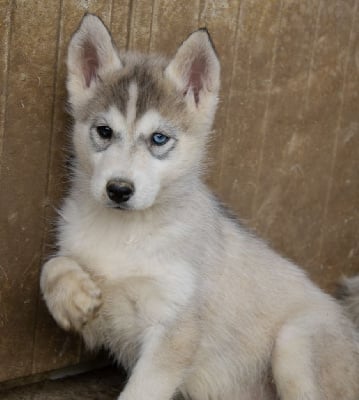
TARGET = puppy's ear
(195,68)
(91,55)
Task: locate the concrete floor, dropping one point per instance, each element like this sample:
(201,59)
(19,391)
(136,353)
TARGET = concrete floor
(103,384)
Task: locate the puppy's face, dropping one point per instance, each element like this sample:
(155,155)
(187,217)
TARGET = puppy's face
(141,122)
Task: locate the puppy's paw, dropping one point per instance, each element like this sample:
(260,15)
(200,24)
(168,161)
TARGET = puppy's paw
(71,295)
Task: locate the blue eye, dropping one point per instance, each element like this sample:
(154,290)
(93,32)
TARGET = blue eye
(159,139)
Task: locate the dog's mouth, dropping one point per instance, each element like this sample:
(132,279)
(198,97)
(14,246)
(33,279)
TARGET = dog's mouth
(126,206)
(123,207)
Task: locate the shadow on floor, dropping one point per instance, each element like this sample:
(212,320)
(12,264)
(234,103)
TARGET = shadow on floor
(103,384)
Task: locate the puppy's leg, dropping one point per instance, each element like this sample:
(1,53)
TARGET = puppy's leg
(292,361)
(167,355)
(70,294)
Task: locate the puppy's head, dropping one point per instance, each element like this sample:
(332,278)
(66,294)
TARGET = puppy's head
(141,122)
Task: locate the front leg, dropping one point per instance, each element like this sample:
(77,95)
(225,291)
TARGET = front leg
(167,355)
(70,294)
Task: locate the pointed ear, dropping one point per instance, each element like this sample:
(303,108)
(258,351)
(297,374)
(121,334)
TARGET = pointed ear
(195,68)
(91,55)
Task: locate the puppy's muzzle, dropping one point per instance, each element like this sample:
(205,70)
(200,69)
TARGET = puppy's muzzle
(119,191)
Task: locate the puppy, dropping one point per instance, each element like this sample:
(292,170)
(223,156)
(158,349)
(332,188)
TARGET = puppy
(150,265)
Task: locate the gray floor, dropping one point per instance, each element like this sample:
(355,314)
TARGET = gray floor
(104,384)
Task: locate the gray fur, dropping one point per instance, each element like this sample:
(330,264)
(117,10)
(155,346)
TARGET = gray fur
(348,295)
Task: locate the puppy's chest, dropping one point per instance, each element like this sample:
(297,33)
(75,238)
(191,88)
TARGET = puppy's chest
(142,287)
(125,255)
(139,274)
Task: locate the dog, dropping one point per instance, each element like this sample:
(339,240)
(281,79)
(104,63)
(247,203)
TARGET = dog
(152,267)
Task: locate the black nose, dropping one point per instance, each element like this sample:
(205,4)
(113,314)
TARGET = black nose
(119,191)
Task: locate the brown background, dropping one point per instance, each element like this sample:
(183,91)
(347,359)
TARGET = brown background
(285,156)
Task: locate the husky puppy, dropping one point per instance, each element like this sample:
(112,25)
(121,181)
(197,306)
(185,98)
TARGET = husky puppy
(151,267)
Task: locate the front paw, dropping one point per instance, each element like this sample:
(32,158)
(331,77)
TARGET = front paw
(71,295)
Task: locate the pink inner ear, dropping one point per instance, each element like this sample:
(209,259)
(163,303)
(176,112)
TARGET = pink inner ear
(197,73)
(90,62)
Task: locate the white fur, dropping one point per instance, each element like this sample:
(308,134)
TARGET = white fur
(190,301)
(131,105)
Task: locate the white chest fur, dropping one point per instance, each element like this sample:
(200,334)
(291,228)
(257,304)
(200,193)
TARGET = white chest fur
(131,255)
